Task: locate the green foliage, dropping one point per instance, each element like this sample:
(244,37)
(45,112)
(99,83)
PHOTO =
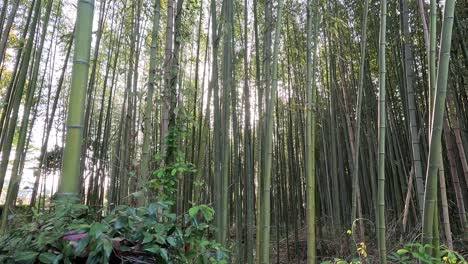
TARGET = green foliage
(164,180)
(43,239)
(150,234)
(410,253)
(417,252)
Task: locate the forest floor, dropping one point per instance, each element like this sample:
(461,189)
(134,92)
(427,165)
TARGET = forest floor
(331,245)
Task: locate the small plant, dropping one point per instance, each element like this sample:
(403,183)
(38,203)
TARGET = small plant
(417,252)
(361,247)
(361,250)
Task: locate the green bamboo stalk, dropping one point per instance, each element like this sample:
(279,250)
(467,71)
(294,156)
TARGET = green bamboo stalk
(69,184)
(113,193)
(100,141)
(263,97)
(127,109)
(430,195)
(196,139)
(259,138)
(455,179)
(381,134)
(217,121)
(174,78)
(432,87)
(445,209)
(167,77)
(248,154)
(432,56)
(204,128)
(357,142)
(415,142)
(225,118)
(333,130)
(265,233)
(312,28)
(145,173)
(92,196)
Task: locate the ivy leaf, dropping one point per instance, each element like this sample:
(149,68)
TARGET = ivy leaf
(107,246)
(152,249)
(97,230)
(121,222)
(171,241)
(402,251)
(160,239)
(163,253)
(171,216)
(153,208)
(148,238)
(204,243)
(160,173)
(82,244)
(25,257)
(207,212)
(48,258)
(193,211)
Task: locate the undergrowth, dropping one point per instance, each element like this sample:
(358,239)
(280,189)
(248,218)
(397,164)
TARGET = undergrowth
(151,234)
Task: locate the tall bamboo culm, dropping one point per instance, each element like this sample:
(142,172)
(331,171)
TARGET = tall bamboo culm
(69,184)
(430,195)
(381,135)
(268,150)
(310,127)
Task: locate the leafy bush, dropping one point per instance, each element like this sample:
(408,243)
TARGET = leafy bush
(149,234)
(413,252)
(164,180)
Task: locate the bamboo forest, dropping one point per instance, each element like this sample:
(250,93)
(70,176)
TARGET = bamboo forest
(234,131)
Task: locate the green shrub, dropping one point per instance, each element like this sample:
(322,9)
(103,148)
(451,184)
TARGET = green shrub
(413,252)
(149,234)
